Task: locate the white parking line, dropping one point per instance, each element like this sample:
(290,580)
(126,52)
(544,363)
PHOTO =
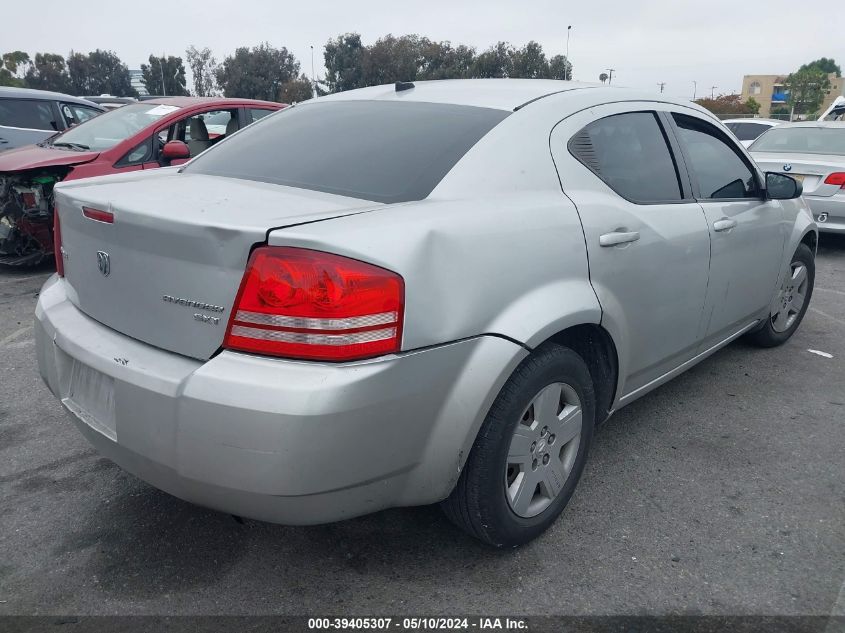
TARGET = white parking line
(15,335)
(836,292)
(825,314)
(837,611)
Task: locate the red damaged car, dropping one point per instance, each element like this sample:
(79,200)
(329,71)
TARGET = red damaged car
(145,135)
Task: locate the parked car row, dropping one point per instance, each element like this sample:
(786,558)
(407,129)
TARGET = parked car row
(29,116)
(405,294)
(137,136)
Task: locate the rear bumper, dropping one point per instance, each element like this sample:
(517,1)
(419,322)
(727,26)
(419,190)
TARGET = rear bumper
(828,212)
(276,440)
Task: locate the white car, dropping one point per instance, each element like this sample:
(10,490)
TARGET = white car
(747,130)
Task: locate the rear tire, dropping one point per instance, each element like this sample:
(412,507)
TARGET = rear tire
(791,303)
(530,451)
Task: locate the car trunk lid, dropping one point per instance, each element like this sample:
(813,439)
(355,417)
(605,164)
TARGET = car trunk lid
(167,269)
(810,169)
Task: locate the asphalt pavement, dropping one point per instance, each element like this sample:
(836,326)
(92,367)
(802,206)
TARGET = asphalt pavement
(719,493)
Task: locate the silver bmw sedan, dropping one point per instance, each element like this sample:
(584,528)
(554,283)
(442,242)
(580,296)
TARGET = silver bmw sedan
(812,152)
(410,294)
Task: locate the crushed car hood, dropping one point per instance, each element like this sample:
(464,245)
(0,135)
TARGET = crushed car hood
(35,157)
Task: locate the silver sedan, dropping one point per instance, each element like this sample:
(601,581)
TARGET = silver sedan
(813,153)
(409,294)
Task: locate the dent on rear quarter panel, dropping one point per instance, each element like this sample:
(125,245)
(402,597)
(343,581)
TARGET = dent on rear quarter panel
(471,268)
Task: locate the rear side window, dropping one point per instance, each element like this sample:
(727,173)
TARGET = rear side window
(257,113)
(374,150)
(716,164)
(630,154)
(27,113)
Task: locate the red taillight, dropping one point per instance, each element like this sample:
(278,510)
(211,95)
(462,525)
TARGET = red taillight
(301,303)
(57,244)
(97,215)
(836,178)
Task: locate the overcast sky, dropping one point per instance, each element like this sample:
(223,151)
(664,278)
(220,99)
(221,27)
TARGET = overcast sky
(647,41)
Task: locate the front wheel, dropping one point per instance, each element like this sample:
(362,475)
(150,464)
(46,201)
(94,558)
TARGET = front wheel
(530,451)
(791,302)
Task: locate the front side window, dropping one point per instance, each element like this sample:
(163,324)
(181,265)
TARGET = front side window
(715,162)
(385,151)
(630,154)
(27,113)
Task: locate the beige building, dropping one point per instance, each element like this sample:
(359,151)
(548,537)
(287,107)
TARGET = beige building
(770,93)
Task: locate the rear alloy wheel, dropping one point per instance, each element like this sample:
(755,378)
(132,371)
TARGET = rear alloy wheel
(791,301)
(530,451)
(543,449)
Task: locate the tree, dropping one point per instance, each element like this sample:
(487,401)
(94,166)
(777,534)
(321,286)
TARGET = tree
(48,72)
(257,73)
(393,59)
(343,57)
(727,104)
(204,69)
(171,69)
(99,72)
(440,60)
(13,67)
(824,64)
(560,68)
(753,105)
(529,62)
(496,61)
(807,88)
(296,90)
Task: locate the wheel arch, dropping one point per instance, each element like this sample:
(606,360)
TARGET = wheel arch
(811,239)
(596,347)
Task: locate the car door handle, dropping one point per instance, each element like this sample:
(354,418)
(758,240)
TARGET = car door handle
(725,224)
(618,237)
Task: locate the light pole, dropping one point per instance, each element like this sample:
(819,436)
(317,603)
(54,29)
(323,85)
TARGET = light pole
(313,79)
(694,88)
(567,69)
(662,84)
(712,92)
(161,66)
(610,75)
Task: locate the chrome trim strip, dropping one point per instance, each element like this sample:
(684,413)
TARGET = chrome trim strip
(280,336)
(382,318)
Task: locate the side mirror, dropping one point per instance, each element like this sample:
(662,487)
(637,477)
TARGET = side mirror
(782,187)
(175,150)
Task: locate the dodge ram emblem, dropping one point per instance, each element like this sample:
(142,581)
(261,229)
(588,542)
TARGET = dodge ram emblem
(103,263)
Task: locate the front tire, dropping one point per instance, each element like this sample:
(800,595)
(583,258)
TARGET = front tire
(530,451)
(791,303)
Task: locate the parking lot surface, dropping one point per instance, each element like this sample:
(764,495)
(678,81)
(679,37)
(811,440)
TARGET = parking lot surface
(719,493)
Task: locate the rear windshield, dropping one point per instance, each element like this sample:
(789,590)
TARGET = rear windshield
(802,140)
(375,150)
(747,131)
(27,113)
